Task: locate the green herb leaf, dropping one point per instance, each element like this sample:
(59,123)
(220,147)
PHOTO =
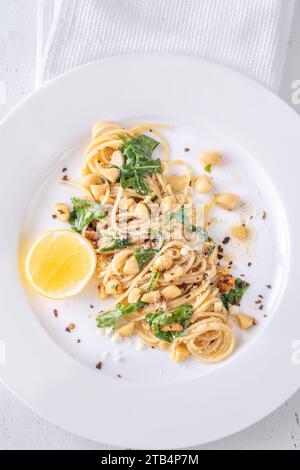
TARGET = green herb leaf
(154,280)
(110,318)
(144,255)
(207,168)
(83,213)
(234,296)
(117,244)
(157,321)
(183,315)
(201,232)
(181,216)
(138,163)
(210,250)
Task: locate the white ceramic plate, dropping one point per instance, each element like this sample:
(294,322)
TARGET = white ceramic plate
(155,404)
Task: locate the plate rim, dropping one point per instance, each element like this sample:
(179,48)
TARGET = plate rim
(197,62)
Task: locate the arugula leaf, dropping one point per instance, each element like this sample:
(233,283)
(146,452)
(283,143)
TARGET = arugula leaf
(154,280)
(201,231)
(118,244)
(183,315)
(181,216)
(210,250)
(234,296)
(138,163)
(110,318)
(157,321)
(83,213)
(144,255)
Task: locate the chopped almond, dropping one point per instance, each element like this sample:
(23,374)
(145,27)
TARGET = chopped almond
(245,321)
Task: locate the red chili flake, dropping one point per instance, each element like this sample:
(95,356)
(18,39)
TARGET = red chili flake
(64,169)
(226,240)
(65,178)
(269,286)
(99,365)
(187,149)
(258,302)
(220,256)
(220,249)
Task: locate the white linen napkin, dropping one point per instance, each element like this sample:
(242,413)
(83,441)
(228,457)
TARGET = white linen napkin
(248,35)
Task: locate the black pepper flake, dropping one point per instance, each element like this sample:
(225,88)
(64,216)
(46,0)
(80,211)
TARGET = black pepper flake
(249,264)
(150,130)
(65,178)
(64,169)
(261,296)
(220,249)
(265,316)
(119,376)
(68,330)
(99,365)
(92,306)
(54,216)
(187,149)
(230,263)
(55,312)
(226,240)
(264,215)
(261,307)
(220,256)
(269,286)
(242,275)
(78,341)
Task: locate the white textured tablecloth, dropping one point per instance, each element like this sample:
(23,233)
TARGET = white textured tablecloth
(248,35)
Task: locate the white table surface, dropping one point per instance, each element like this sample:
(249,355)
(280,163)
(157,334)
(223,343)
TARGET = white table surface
(20,428)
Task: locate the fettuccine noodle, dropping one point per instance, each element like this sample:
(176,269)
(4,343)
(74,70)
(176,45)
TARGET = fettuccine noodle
(168,289)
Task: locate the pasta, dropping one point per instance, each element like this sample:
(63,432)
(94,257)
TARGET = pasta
(154,254)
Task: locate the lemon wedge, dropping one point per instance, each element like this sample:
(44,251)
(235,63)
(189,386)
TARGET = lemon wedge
(60,264)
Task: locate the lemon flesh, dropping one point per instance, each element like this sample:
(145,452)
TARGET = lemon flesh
(60,264)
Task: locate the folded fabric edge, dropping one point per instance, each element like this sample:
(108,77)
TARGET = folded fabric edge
(49,16)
